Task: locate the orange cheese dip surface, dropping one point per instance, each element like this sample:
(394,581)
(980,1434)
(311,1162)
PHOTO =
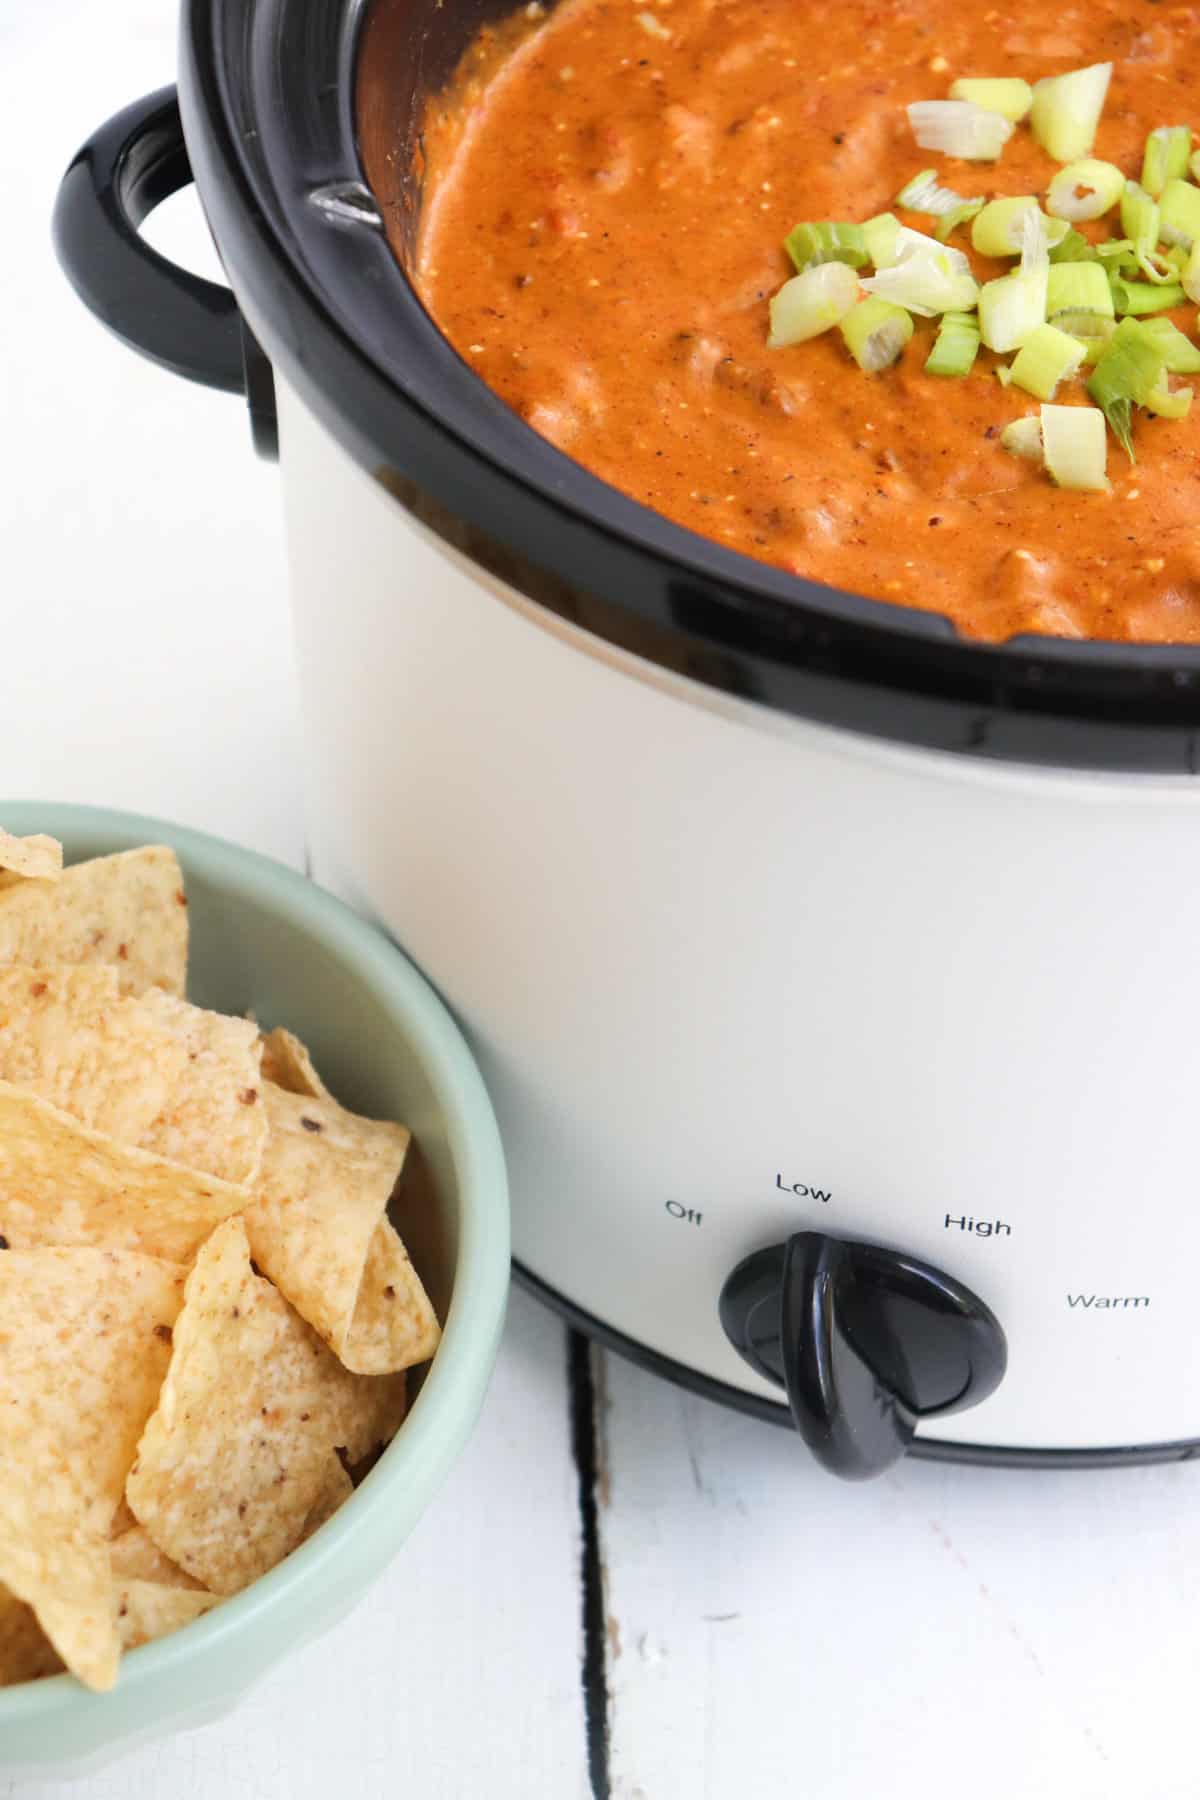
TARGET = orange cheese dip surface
(608,195)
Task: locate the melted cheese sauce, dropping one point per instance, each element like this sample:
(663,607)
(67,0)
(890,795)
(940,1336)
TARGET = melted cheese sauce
(603,229)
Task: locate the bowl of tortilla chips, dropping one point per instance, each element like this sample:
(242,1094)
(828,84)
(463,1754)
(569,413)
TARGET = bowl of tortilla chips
(253,1270)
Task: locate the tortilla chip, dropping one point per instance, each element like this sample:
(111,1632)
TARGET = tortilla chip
(26,1653)
(29,859)
(236,1455)
(85,1341)
(60,1568)
(128,909)
(317,1225)
(63,1184)
(394,1324)
(122,1521)
(136,1557)
(146,1610)
(336,1487)
(148,1070)
(286,1062)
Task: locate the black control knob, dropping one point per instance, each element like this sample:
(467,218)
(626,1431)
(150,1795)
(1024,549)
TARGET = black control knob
(868,1342)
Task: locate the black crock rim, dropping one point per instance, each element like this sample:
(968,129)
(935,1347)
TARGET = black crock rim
(811,651)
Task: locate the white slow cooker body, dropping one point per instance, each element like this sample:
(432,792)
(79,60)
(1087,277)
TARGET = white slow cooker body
(730,975)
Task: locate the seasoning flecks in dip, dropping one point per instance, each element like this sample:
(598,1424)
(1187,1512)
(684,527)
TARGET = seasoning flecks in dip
(604,233)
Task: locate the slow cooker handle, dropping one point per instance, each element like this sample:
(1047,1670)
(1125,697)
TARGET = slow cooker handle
(176,319)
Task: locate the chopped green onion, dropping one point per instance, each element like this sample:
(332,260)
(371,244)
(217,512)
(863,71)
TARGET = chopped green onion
(1005,95)
(876,332)
(1066,111)
(1084,190)
(1129,372)
(1077,288)
(1139,215)
(1191,275)
(1167,151)
(959,128)
(960,216)
(881,235)
(1047,357)
(1180,355)
(1177,355)
(1075,447)
(1073,248)
(889,242)
(827,241)
(927,282)
(1011,309)
(1115,252)
(1144,296)
(1180,208)
(956,345)
(811,303)
(1194,166)
(922,194)
(1141,223)
(996,229)
(1023,437)
(1091,332)
(1169,402)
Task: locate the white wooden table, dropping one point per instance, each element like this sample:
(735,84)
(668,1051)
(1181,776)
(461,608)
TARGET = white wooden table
(760,1631)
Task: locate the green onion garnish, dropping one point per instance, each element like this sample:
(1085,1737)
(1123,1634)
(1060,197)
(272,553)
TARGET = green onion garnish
(1074,248)
(1023,437)
(876,332)
(827,241)
(809,304)
(959,128)
(1075,447)
(1194,166)
(1084,190)
(1142,224)
(1144,296)
(1010,309)
(1191,274)
(1180,208)
(996,229)
(881,235)
(1180,355)
(1168,149)
(1092,332)
(1010,98)
(952,220)
(922,194)
(927,281)
(1047,357)
(1077,288)
(1066,111)
(1158,338)
(956,345)
(1128,373)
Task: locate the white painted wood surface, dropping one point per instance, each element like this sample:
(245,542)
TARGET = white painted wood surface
(939,1632)
(771,1633)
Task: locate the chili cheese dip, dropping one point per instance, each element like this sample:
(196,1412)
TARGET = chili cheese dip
(609,189)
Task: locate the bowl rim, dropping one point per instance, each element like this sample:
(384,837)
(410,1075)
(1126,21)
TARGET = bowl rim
(423,1451)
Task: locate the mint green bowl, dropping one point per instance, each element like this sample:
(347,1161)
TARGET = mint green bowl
(266,940)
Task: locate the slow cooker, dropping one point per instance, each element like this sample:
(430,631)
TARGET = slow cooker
(834,977)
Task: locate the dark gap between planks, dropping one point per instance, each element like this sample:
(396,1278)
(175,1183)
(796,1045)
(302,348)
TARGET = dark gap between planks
(594,1674)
